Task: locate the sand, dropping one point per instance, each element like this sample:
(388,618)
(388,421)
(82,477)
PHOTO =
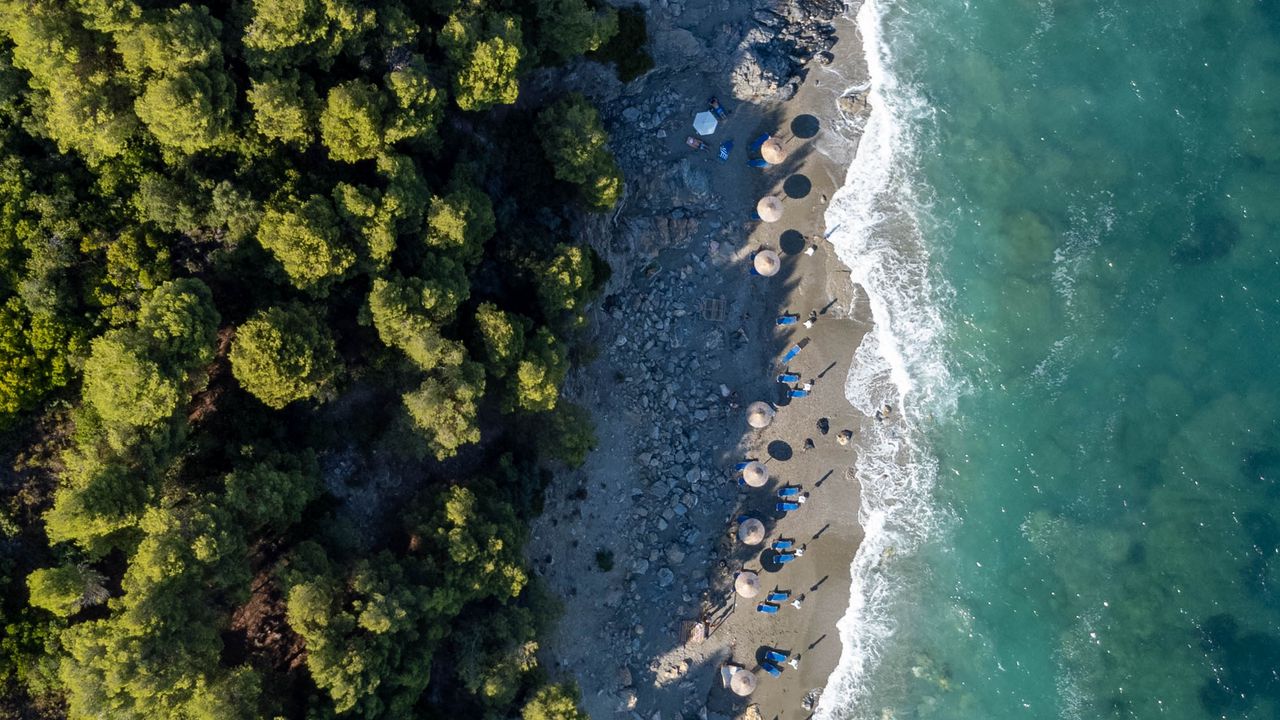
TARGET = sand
(621,637)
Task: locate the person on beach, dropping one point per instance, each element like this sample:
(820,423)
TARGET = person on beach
(808,444)
(883,412)
(813,318)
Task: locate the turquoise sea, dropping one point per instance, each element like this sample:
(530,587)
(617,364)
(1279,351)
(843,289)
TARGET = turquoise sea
(1066,215)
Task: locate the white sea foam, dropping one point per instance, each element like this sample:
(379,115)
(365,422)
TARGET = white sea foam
(878,216)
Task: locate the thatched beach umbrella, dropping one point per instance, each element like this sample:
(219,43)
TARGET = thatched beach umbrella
(772,152)
(747,584)
(769,208)
(743,682)
(751,532)
(759,414)
(767,263)
(755,474)
(705,122)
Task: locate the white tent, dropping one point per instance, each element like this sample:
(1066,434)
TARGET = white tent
(705,122)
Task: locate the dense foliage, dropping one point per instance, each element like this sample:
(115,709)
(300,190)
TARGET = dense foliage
(264,265)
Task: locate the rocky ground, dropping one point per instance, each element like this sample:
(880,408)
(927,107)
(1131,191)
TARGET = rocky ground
(687,339)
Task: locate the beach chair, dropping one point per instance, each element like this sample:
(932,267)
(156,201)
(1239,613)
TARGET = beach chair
(774,656)
(725,148)
(788,378)
(772,669)
(741,466)
(786,492)
(783,544)
(755,144)
(787,320)
(757,163)
(788,506)
(791,354)
(797,393)
(777,596)
(767,608)
(785,557)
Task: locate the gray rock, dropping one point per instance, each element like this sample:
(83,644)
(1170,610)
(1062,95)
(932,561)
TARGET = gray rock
(855,104)
(631,114)
(666,577)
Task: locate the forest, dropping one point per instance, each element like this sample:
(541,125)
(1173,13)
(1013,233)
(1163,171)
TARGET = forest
(288,290)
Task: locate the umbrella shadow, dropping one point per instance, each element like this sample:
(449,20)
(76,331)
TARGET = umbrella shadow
(780,450)
(791,242)
(797,186)
(805,126)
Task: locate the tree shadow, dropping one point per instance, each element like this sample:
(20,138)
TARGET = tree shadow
(797,186)
(780,450)
(791,242)
(805,126)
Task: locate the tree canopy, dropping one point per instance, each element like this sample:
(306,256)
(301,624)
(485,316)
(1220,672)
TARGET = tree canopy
(281,352)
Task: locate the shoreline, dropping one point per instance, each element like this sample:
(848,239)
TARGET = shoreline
(687,340)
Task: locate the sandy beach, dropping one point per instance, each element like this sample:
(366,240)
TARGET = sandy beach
(687,339)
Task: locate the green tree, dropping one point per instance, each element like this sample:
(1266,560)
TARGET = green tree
(284,107)
(36,353)
(444,408)
(273,492)
(460,222)
(418,104)
(539,373)
(577,147)
(351,123)
(188,112)
(290,32)
(67,589)
(569,28)
(407,314)
(554,702)
(284,354)
(84,106)
(176,39)
(501,335)
(564,286)
(125,387)
(304,237)
(566,434)
(180,323)
(485,50)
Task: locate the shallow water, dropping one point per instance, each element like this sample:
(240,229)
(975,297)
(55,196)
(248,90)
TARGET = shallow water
(1065,214)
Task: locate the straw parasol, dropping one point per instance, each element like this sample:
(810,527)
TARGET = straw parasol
(751,532)
(767,263)
(769,208)
(743,682)
(747,584)
(759,414)
(705,122)
(772,152)
(755,474)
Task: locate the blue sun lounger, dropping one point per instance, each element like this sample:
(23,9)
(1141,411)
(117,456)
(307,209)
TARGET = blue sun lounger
(777,596)
(755,144)
(757,163)
(797,393)
(772,669)
(785,557)
(791,354)
(785,492)
(767,608)
(782,544)
(788,506)
(787,320)
(725,148)
(788,378)
(774,656)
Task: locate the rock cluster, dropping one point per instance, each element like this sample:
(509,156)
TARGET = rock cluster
(769,62)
